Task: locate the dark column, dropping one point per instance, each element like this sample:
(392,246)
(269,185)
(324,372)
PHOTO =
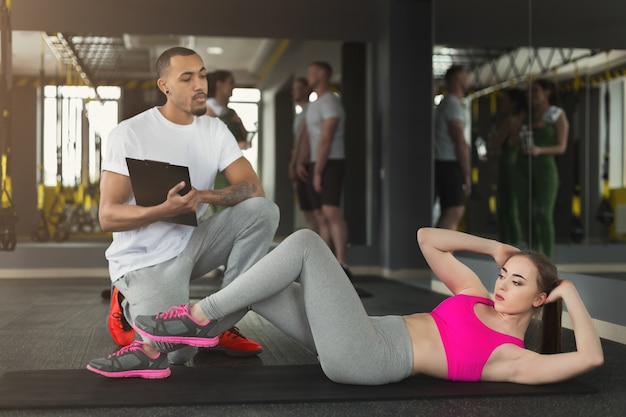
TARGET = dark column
(354,97)
(137,100)
(284,143)
(404,109)
(23,158)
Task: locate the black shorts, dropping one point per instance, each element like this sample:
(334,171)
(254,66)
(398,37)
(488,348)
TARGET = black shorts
(449,182)
(302,191)
(332,184)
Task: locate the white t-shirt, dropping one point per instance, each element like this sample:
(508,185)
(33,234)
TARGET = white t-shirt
(298,118)
(552,114)
(206,146)
(450,108)
(326,107)
(216,107)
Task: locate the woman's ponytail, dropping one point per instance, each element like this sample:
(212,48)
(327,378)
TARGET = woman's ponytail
(549,340)
(549,326)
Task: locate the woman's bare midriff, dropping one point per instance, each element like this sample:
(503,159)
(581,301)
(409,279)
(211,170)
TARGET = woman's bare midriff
(429,355)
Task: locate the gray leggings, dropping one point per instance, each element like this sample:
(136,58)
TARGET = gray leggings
(236,237)
(301,289)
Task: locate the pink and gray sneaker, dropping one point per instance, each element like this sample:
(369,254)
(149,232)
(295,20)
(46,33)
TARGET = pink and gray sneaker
(132,361)
(176,326)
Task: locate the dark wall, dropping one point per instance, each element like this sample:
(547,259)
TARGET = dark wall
(354,98)
(137,100)
(590,160)
(23,162)
(404,131)
(284,196)
(349,20)
(458,22)
(557,23)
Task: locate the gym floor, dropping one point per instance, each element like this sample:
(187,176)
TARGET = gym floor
(59,323)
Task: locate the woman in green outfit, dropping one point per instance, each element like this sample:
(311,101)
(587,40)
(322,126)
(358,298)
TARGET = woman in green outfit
(506,143)
(221,84)
(537,178)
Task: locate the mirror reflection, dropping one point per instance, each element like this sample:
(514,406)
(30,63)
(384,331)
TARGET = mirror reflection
(548,173)
(545,129)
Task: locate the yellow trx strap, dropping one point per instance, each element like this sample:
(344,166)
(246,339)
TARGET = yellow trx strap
(5,183)
(493,103)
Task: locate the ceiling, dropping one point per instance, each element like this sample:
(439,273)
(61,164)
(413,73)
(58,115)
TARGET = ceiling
(109,59)
(106,51)
(113,59)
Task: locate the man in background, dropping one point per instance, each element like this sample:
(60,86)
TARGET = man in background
(452,152)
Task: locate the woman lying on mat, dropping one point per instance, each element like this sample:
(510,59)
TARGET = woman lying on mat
(303,291)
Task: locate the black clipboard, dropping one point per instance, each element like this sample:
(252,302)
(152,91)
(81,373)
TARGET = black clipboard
(151,180)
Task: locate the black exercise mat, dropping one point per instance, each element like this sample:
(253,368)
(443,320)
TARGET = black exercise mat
(226,385)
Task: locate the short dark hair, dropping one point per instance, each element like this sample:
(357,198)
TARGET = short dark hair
(215,77)
(163,62)
(325,66)
(452,72)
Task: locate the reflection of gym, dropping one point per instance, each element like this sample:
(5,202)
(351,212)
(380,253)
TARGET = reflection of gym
(589,87)
(540,117)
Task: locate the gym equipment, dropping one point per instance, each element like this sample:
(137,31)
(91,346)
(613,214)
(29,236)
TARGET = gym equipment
(238,385)
(8,214)
(604,212)
(41,232)
(577,230)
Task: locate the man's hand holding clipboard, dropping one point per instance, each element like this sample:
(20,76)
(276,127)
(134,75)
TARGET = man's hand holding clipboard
(155,182)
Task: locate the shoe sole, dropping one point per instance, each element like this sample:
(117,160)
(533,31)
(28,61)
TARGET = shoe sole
(236,353)
(137,373)
(181,340)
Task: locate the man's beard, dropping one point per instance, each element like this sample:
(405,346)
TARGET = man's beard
(200,111)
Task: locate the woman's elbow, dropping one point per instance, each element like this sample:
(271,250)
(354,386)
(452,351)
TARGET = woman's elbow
(596,361)
(422,234)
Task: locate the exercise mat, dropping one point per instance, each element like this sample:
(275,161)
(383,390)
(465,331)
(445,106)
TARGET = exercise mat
(237,385)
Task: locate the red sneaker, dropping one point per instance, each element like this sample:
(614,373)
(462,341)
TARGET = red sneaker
(122,332)
(233,343)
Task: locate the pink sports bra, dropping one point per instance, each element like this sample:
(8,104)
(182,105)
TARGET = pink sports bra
(468,342)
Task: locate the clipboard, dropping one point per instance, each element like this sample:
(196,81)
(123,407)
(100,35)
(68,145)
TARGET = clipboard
(151,180)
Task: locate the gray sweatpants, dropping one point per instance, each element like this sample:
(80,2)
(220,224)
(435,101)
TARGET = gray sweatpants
(301,288)
(236,237)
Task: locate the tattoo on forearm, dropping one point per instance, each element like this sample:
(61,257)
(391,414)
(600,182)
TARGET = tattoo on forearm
(234,194)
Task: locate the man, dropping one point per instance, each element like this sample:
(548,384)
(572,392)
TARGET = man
(324,174)
(300,94)
(151,261)
(452,152)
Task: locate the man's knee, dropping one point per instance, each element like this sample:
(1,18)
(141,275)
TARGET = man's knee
(261,209)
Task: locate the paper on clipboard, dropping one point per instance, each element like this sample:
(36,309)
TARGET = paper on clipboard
(151,181)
